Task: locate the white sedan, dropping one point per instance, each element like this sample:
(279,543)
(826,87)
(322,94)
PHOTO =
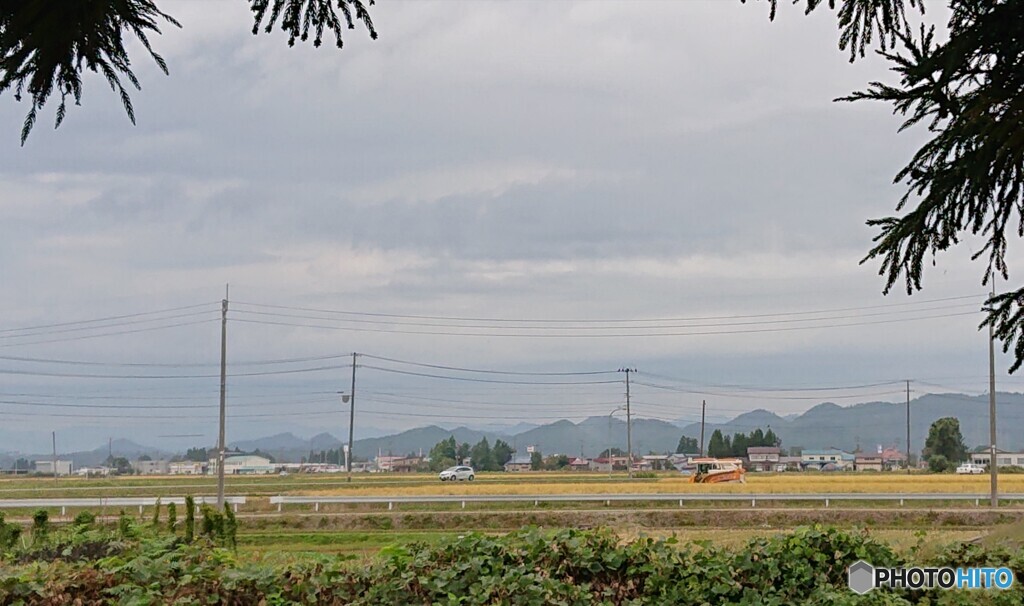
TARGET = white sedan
(460,472)
(970,468)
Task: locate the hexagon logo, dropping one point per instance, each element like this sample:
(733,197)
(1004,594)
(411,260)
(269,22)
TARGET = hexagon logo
(861,577)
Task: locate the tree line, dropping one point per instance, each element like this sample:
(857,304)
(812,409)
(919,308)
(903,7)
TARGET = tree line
(484,457)
(721,446)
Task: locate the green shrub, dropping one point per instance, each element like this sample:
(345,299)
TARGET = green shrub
(172,517)
(125,526)
(571,567)
(84,520)
(939,464)
(190,519)
(230,528)
(40,526)
(156,513)
(9,534)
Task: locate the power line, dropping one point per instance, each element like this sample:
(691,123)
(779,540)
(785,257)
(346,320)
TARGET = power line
(118,324)
(603,335)
(108,334)
(620,320)
(108,318)
(474,380)
(526,324)
(493,372)
(784,389)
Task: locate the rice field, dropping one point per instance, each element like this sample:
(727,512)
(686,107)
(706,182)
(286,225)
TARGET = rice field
(540,483)
(504,484)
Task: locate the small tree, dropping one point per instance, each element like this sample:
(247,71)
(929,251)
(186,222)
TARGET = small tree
(190,519)
(687,445)
(944,438)
(9,534)
(40,526)
(501,454)
(443,454)
(462,453)
(125,527)
(483,459)
(230,528)
(172,516)
(717,445)
(939,464)
(536,461)
(156,513)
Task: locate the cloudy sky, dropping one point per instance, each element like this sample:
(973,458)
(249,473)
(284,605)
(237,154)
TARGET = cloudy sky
(653,175)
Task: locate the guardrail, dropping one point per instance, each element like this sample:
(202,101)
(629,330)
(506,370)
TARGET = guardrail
(316,501)
(101,502)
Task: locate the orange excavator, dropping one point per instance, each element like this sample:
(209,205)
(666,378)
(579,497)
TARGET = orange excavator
(713,471)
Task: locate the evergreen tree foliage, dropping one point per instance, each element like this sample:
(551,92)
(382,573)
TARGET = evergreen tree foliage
(687,445)
(46,45)
(945,440)
(462,452)
(717,446)
(483,459)
(443,454)
(536,461)
(965,90)
(501,453)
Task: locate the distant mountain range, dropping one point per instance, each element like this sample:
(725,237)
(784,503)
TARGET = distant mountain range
(885,423)
(866,425)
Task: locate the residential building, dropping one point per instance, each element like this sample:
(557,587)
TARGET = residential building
(579,464)
(151,468)
(398,464)
(64,468)
(828,459)
(187,468)
(763,458)
(518,463)
(867,462)
(788,464)
(654,463)
(893,458)
(1003,458)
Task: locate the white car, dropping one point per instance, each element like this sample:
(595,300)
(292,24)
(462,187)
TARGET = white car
(459,472)
(970,468)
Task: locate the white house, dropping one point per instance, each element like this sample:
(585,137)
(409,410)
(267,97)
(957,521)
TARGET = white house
(827,460)
(64,468)
(1003,459)
(763,458)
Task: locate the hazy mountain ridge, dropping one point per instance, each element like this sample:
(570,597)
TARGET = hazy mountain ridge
(866,424)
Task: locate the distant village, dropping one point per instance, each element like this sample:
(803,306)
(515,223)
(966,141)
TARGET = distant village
(757,459)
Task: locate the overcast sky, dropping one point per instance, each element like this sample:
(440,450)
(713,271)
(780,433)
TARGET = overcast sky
(505,160)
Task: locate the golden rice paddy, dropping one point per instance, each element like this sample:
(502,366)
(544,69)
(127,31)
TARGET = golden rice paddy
(541,483)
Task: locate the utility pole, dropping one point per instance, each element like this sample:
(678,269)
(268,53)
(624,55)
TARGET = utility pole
(993,467)
(223,396)
(351,419)
(54,434)
(629,425)
(703,409)
(908,426)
